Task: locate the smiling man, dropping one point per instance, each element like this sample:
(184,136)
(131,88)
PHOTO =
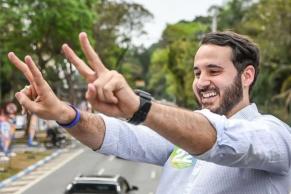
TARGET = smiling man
(226,147)
(218,74)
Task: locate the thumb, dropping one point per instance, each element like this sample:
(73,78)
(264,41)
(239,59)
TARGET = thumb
(26,102)
(91,92)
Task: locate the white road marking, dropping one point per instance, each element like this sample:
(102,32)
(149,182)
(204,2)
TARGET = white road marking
(153,174)
(49,172)
(101,171)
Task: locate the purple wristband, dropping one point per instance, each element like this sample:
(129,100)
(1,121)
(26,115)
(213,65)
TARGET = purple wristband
(75,121)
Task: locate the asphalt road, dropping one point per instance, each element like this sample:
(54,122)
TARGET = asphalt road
(144,176)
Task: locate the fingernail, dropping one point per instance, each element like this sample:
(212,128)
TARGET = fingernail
(83,34)
(18,97)
(10,54)
(27,58)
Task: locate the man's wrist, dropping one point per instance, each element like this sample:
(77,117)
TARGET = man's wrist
(144,107)
(67,114)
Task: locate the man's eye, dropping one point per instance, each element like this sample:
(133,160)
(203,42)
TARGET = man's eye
(214,72)
(197,74)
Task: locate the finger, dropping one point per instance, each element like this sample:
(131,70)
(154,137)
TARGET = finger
(28,91)
(106,108)
(32,92)
(108,91)
(25,102)
(23,110)
(38,80)
(21,66)
(81,66)
(92,57)
(91,94)
(99,85)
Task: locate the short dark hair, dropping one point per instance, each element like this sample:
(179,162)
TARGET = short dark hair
(244,51)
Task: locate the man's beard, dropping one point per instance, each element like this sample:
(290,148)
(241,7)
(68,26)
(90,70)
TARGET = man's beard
(232,96)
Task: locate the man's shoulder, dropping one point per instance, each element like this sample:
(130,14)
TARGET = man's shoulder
(271,120)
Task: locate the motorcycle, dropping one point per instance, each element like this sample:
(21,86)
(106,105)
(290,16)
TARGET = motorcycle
(56,138)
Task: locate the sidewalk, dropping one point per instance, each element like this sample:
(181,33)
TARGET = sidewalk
(24,179)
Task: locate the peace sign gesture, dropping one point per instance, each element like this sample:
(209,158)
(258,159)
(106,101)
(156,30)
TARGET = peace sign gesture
(39,98)
(108,91)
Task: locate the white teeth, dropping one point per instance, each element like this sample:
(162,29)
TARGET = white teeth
(208,94)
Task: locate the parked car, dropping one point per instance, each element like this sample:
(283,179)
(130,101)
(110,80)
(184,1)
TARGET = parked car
(103,184)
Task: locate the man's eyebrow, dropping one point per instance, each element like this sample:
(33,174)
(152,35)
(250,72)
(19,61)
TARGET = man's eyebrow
(214,66)
(211,66)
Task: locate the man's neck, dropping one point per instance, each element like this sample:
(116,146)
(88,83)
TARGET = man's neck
(242,104)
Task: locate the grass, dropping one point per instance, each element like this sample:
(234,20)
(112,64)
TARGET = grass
(20,162)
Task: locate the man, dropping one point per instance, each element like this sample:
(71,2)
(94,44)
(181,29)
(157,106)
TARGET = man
(227,147)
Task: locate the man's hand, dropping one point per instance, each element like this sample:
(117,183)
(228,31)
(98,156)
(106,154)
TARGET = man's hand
(108,91)
(39,98)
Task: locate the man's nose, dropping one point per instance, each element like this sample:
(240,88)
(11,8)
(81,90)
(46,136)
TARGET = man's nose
(203,81)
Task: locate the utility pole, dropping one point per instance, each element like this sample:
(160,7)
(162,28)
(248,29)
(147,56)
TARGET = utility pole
(214,12)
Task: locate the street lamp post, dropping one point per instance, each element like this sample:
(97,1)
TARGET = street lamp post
(214,12)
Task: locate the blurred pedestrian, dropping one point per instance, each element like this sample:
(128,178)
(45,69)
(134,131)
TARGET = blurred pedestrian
(5,136)
(32,130)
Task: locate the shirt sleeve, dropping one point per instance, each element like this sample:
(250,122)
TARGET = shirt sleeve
(135,143)
(263,143)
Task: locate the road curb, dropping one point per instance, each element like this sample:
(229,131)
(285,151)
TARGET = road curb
(29,169)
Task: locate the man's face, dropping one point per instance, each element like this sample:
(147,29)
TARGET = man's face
(217,85)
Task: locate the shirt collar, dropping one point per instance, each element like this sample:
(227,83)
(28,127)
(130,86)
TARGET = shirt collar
(249,113)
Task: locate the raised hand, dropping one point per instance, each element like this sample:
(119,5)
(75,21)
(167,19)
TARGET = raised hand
(38,97)
(108,91)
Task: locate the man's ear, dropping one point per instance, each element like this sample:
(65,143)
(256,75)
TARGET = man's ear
(248,76)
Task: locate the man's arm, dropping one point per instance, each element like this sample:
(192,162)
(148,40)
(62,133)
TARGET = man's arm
(189,130)
(90,130)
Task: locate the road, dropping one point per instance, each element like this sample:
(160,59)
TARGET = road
(144,176)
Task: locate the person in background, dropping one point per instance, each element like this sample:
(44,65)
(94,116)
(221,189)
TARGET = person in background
(10,111)
(225,147)
(32,130)
(5,136)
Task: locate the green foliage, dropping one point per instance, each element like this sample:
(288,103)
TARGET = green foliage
(39,28)
(119,21)
(286,84)
(278,77)
(182,30)
(158,72)
(171,68)
(232,13)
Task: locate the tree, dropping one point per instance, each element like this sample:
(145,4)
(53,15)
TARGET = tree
(40,28)
(171,69)
(269,23)
(119,21)
(231,14)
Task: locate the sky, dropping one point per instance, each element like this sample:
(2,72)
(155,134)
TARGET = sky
(169,12)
